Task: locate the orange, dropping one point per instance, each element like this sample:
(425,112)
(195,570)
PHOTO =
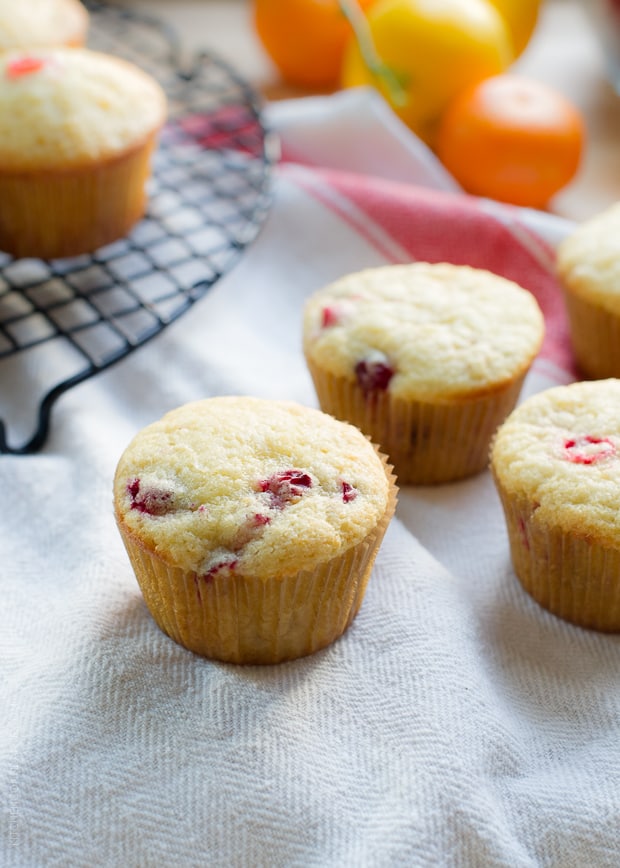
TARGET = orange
(304,38)
(434,48)
(513,139)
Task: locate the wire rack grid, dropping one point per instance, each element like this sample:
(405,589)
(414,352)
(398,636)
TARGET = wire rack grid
(62,321)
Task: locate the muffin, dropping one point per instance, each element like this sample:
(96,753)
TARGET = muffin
(427,359)
(42,23)
(252,525)
(588,265)
(77,129)
(555,465)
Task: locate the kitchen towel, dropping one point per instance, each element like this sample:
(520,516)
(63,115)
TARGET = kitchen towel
(455,724)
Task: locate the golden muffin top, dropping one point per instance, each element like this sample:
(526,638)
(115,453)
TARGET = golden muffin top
(588,260)
(64,107)
(424,330)
(561,451)
(266,488)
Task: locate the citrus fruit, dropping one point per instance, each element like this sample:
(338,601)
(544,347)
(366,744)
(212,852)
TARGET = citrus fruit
(512,138)
(304,38)
(521,16)
(434,48)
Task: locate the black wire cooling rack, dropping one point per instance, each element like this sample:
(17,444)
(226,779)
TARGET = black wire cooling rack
(62,321)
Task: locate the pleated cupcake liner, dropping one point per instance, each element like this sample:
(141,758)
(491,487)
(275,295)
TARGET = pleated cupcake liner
(595,337)
(574,578)
(427,442)
(242,619)
(52,214)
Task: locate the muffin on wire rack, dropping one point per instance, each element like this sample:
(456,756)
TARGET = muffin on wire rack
(427,359)
(77,129)
(252,525)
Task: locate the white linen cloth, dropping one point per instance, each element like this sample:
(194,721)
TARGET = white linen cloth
(455,724)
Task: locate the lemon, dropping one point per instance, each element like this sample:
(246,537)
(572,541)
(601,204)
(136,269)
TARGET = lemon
(434,49)
(521,17)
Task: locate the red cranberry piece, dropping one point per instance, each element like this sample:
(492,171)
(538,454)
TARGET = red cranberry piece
(349,493)
(152,501)
(225,564)
(329,316)
(374,373)
(285,486)
(523,533)
(221,560)
(23,66)
(249,530)
(587,449)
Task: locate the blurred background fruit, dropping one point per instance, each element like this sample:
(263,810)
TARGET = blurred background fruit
(434,48)
(521,17)
(444,67)
(304,38)
(512,139)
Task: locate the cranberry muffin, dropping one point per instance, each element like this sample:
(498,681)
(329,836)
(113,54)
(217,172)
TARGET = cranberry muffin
(427,359)
(555,462)
(252,525)
(77,129)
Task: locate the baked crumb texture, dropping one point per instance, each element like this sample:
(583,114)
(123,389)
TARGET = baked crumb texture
(588,265)
(427,359)
(252,525)
(555,462)
(77,129)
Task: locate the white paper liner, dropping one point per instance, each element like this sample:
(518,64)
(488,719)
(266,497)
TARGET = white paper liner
(428,443)
(576,579)
(240,619)
(595,336)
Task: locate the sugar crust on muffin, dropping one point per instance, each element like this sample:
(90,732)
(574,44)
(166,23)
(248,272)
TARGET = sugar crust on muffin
(588,260)
(561,451)
(270,486)
(435,331)
(62,108)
